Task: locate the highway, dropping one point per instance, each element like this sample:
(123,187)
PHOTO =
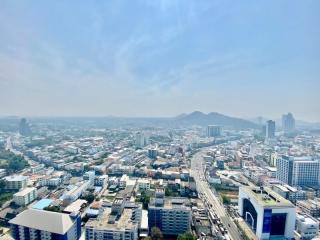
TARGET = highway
(198,172)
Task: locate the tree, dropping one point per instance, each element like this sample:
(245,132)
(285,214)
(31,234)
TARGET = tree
(52,209)
(156,234)
(2,185)
(226,200)
(186,236)
(89,198)
(145,199)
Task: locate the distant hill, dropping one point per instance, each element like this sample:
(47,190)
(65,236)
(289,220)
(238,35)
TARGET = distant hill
(214,118)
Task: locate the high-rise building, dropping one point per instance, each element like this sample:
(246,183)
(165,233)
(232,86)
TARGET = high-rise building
(141,140)
(213,131)
(288,123)
(24,128)
(270,129)
(298,171)
(267,213)
(42,225)
(171,215)
(152,153)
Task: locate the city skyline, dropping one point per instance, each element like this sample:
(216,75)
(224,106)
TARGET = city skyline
(160,58)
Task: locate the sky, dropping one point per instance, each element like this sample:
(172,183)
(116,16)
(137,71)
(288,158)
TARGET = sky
(160,58)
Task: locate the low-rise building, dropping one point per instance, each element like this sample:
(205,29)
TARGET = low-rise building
(310,207)
(306,227)
(25,196)
(143,184)
(16,182)
(117,222)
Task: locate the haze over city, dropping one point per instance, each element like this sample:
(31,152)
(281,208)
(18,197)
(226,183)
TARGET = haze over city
(159,120)
(160,58)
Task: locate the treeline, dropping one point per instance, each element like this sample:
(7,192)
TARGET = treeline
(12,162)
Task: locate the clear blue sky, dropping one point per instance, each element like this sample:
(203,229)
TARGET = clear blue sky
(160,58)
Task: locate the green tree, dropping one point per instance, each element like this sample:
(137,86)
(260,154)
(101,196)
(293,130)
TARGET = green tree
(226,200)
(186,236)
(2,185)
(52,209)
(145,199)
(156,234)
(89,198)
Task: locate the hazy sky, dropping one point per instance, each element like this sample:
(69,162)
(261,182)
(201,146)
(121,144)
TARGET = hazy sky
(160,58)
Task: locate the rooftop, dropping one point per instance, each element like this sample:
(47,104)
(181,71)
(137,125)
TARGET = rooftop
(16,178)
(76,206)
(122,223)
(169,203)
(24,192)
(40,205)
(52,222)
(267,198)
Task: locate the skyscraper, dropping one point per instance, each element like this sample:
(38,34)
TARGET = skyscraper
(213,131)
(288,123)
(298,171)
(270,129)
(24,128)
(141,140)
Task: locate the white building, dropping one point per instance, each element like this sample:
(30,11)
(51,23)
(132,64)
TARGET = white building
(213,131)
(101,180)
(306,227)
(298,171)
(16,182)
(267,213)
(25,196)
(141,140)
(116,223)
(143,184)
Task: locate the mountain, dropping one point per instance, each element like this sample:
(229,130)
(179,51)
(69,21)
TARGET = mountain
(214,118)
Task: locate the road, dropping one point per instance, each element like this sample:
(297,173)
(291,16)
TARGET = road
(198,172)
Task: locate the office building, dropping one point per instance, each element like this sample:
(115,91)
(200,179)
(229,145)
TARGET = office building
(270,129)
(288,123)
(306,227)
(24,128)
(117,222)
(298,171)
(152,153)
(143,184)
(16,182)
(141,140)
(171,215)
(89,176)
(25,196)
(213,131)
(267,213)
(36,224)
(291,193)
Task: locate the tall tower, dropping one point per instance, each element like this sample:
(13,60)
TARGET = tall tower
(270,129)
(288,123)
(24,128)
